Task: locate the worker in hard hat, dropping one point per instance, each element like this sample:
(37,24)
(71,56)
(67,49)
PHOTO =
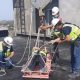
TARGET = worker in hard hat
(54,34)
(71,34)
(6,52)
(55,12)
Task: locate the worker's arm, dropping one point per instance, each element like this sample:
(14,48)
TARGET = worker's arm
(12,54)
(59,40)
(67,38)
(55,40)
(44,27)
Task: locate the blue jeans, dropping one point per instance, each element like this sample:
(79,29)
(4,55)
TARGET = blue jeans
(8,64)
(75,56)
(4,63)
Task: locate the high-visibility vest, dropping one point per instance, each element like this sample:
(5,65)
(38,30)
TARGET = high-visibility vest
(8,53)
(56,34)
(75,31)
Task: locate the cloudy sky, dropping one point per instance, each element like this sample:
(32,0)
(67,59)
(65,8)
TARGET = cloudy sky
(6,10)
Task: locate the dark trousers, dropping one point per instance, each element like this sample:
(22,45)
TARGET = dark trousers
(75,55)
(4,63)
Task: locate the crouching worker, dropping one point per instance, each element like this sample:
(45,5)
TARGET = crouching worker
(6,53)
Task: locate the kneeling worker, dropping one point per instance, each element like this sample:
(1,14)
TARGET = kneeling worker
(6,53)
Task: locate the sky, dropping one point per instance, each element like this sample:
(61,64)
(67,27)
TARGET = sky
(6,10)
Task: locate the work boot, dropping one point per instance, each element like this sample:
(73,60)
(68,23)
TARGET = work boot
(2,72)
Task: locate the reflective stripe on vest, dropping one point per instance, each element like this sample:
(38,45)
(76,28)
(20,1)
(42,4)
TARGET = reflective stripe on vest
(8,53)
(1,48)
(75,32)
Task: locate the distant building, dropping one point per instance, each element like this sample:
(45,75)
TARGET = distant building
(3,31)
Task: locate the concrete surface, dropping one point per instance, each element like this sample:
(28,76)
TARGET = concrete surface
(59,73)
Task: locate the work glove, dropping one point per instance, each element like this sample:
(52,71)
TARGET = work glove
(7,58)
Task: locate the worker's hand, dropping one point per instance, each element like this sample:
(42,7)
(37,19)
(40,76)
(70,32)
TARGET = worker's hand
(7,58)
(51,27)
(56,40)
(35,49)
(52,41)
(42,27)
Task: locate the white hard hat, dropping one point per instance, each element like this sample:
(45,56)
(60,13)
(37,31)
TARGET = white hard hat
(55,21)
(8,40)
(55,10)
